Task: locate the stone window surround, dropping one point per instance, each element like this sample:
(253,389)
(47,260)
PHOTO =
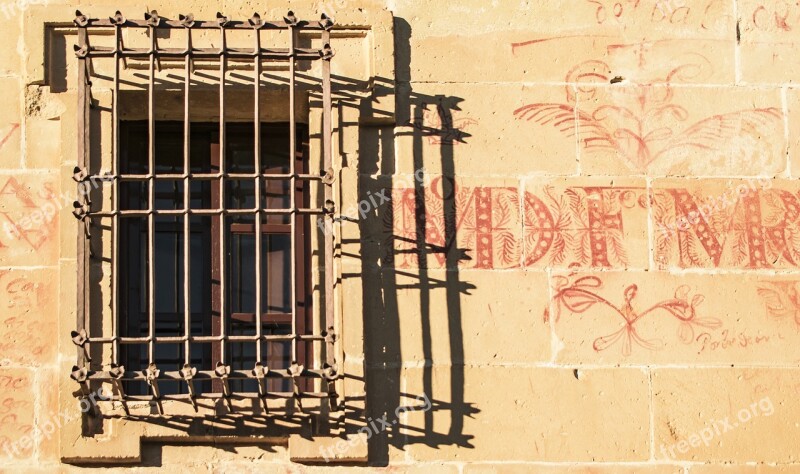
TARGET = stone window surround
(119,440)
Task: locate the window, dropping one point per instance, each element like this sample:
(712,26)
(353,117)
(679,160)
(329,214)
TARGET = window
(210,224)
(204,252)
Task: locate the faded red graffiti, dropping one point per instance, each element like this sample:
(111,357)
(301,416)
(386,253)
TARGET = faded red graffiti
(781,300)
(774,16)
(580,226)
(644,123)
(485,221)
(26,216)
(771,382)
(727,340)
(585,226)
(706,15)
(757,228)
(14,128)
(579,295)
(24,333)
(16,414)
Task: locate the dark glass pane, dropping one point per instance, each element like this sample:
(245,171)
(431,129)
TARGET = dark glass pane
(133,275)
(169,147)
(169,194)
(133,195)
(169,275)
(240,194)
(242,273)
(276,290)
(200,273)
(133,147)
(275,152)
(239,148)
(201,193)
(200,147)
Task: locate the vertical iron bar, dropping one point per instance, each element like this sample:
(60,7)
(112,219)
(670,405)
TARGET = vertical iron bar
(151,158)
(115,172)
(187,200)
(257,164)
(222,253)
(327,164)
(293,188)
(83,150)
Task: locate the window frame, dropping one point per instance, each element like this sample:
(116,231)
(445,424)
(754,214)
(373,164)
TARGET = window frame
(300,375)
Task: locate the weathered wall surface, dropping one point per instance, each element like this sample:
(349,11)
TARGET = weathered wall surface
(590,261)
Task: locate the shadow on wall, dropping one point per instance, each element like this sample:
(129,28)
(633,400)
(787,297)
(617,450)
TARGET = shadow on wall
(381,292)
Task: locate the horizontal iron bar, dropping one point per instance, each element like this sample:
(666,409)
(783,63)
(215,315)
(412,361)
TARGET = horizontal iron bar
(202,375)
(203,176)
(177,339)
(203,212)
(277,54)
(144,177)
(198,24)
(216,396)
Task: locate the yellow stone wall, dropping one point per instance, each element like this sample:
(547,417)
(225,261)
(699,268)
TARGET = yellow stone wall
(589,261)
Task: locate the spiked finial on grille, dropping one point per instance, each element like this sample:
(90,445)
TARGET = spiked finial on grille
(152,18)
(326,52)
(80,19)
(326,22)
(81,51)
(81,339)
(118,18)
(187,20)
(256,21)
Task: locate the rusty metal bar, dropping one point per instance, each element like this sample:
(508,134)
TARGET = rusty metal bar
(293,180)
(200,375)
(198,24)
(223,372)
(212,176)
(256,21)
(151,159)
(151,375)
(271,54)
(187,310)
(218,396)
(260,373)
(327,164)
(180,339)
(115,170)
(205,212)
(222,231)
(82,164)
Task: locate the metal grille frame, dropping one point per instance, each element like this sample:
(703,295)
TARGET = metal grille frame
(88,218)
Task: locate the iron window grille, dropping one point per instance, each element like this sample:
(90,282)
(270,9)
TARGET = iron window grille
(279,207)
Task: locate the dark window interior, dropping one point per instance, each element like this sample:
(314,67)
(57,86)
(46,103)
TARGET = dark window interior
(168,258)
